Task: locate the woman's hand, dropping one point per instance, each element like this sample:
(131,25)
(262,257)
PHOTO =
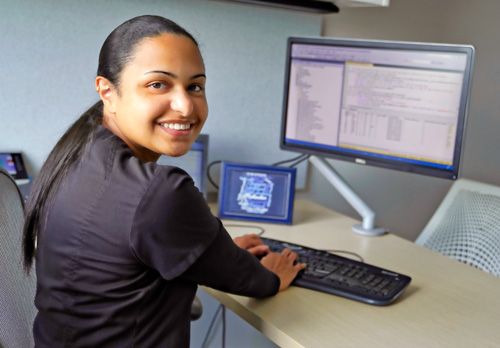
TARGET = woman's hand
(285,266)
(252,243)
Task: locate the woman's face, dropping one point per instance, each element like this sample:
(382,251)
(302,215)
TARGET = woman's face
(160,105)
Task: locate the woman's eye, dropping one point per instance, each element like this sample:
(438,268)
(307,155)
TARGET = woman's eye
(196,88)
(157,85)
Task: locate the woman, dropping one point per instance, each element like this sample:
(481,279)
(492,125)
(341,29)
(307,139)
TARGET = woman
(121,243)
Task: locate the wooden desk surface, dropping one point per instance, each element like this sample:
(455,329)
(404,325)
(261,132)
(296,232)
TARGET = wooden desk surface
(448,304)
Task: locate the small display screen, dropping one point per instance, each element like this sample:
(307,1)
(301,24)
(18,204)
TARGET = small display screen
(14,165)
(252,192)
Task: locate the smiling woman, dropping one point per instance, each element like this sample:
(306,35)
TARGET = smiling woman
(122,242)
(160,105)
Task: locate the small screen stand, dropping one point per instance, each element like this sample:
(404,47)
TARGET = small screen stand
(367,228)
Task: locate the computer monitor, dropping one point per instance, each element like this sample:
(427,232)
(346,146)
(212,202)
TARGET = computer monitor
(194,162)
(13,163)
(398,105)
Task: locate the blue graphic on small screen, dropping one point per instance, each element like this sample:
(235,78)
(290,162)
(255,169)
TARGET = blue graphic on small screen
(256,193)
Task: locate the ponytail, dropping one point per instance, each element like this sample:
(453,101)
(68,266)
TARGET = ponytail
(68,150)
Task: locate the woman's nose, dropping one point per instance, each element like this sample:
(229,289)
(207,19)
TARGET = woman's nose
(181,103)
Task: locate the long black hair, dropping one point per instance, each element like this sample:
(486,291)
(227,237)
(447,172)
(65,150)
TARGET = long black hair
(116,52)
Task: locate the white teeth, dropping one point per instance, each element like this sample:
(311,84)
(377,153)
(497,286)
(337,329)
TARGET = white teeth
(176,126)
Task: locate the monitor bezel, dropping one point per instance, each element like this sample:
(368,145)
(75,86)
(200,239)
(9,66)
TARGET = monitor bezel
(202,139)
(454,173)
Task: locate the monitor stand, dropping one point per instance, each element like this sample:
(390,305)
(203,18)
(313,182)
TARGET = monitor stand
(367,228)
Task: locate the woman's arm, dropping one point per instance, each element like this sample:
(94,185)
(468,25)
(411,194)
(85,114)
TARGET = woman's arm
(227,267)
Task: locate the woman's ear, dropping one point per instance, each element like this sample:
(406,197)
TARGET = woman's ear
(107,93)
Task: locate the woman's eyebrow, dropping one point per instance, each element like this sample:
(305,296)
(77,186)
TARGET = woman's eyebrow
(198,75)
(172,75)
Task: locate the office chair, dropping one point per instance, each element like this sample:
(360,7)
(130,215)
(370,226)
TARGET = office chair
(17,290)
(466,225)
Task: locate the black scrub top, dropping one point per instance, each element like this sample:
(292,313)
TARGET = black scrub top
(121,252)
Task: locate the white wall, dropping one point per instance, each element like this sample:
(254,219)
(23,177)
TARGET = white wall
(405,202)
(49,60)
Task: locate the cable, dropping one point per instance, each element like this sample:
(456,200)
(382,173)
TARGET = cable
(223,326)
(210,327)
(209,177)
(345,252)
(262,230)
(289,160)
(299,161)
(248,226)
(207,335)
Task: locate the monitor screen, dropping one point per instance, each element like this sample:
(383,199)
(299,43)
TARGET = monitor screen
(256,192)
(194,162)
(397,105)
(13,163)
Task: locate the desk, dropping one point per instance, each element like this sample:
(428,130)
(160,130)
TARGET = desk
(448,304)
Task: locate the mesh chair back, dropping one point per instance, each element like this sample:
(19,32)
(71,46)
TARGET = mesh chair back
(466,226)
(17,291)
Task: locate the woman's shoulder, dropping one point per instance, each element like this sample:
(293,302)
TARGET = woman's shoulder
(122,164)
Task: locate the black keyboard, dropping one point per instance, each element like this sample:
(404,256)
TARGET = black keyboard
(344,277)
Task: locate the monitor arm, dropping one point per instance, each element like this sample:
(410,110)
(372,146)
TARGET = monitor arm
(367,228)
